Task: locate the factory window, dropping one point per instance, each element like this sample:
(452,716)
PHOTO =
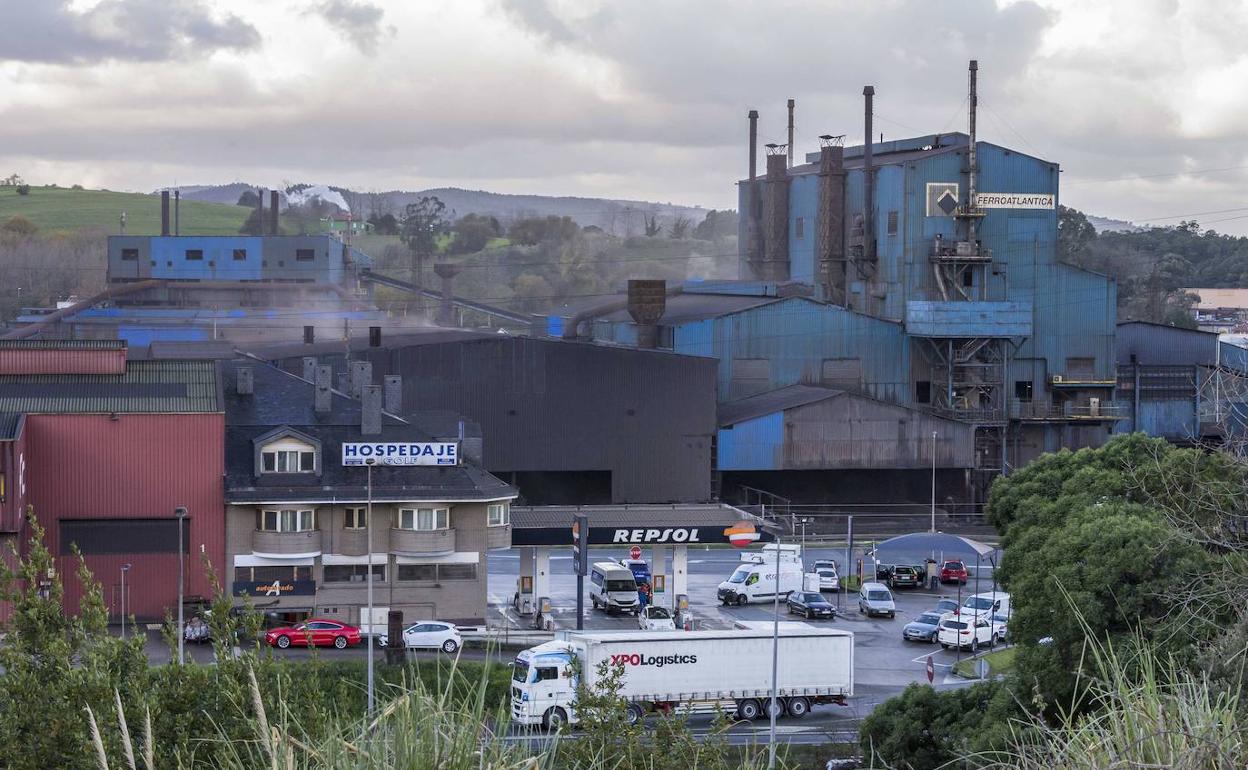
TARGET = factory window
(288,456)
(424,519)
(800,228)
(357,518)
(1022,390)
(118,536)
(286,520)
(130,255)
(240,255)
(352,573)
(273,572)
(892,223)
(305,255)
(194,254)
(497,515)
(923,392)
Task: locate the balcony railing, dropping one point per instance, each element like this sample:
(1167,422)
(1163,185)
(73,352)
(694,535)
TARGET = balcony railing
(411,542)
(498,537)
(1041,411)
(286,542)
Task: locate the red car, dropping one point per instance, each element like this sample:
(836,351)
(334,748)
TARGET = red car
(314,632)
(953,572)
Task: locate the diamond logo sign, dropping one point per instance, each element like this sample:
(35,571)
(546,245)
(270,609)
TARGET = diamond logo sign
(942,199)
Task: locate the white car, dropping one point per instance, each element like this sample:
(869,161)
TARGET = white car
(654,618)
(430,634)
(828,579)
(968,632)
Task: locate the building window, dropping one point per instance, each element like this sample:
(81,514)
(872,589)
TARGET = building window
(424,519)
(923,392)
(800,227)
(194,254)
(305,255)
(273,572)
(352,573)
(437,573)
(288,456)
(357,518)
(286,520)
(240,255)
(497,515)
(1022,390)
(130,255)
(968,278)
(892,223)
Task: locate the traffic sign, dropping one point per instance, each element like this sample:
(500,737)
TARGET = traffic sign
(634,553)
(931,669)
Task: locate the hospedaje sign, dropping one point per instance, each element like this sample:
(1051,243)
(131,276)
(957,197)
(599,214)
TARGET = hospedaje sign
(401,453)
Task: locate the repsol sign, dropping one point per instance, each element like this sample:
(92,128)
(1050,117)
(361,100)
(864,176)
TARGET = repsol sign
(657,535)
(658,661)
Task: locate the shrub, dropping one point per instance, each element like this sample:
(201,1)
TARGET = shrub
(23,189)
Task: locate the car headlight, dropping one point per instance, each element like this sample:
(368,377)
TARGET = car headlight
(524,696)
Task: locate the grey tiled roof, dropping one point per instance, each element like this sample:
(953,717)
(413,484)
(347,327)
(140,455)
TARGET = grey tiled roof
(146,386)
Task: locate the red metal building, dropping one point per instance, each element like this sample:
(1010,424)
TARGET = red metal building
(104,459)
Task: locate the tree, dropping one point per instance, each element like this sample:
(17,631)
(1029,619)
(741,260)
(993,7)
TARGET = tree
(423,222)
(1075,234)
(716,226)
(12,180)
(20,226)
(255,224)
(249,198)
(652,225)
(385,224)
(679,229)
(473,232)
(923,729)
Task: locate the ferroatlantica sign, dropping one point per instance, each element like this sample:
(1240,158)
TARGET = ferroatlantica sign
(986,200)
(417,453)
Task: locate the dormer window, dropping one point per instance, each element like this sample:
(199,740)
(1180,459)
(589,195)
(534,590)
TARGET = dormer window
(288,456)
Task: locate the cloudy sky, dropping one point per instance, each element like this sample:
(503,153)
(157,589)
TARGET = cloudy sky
(1141,101)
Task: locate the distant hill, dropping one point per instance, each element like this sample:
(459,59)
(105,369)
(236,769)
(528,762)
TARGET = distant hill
(613,215)
(64,209)
(1107,225)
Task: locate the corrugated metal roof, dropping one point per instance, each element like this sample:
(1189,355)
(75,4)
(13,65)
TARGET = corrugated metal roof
(683,308)
(28,344)
(733,412)
(146,386)
(10,425)
(197,349)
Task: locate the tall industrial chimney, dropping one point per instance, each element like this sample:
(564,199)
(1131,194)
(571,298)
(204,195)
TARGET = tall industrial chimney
(775,262)
(260,213)
(752,205)
(972,160)
(790,152)
(830,240)
(273,212)
(446,309)
(164,212)
(753,116)
(647,301)
(177,210)
(868,179)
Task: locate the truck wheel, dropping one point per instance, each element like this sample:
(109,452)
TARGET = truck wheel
(778,706)
(555,719)
(741,600)
(635,714)
(798,707)
(748,709)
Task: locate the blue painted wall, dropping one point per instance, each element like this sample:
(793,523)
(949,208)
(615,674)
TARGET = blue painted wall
(754,445)
(168,257)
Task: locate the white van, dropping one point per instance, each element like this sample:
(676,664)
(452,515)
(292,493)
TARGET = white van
(755,579)
(613,588)
(987,604)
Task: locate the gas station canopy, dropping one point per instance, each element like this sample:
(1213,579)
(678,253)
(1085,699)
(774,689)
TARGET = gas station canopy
(625,525)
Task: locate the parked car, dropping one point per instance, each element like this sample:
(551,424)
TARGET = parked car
(810,605)
(875,599)
(653,618)
(823,564)
(883,572)
(905,577)
(314,632)
(429,634)
(922,629)
(828,579)
(953,572)
(967,632)
(946,605)
(1002,623)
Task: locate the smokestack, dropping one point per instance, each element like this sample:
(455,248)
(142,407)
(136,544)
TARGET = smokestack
(750,202)
(753,116)
(177,210)
(393,384)
(775,266)
(790,152)
(370,410)
(830,239)
(972,159)
(446,311)
(868,179)
(164,212)
(244,380)
(273,212)
(309,368)
(323,397)
(260,213)
(647,301)
(361,376)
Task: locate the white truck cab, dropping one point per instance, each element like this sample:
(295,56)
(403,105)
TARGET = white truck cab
(755,579)
(543,685)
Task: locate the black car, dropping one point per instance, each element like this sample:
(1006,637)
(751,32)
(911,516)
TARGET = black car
(810,604)
(905,577)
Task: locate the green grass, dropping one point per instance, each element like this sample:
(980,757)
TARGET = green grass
(55,209)
(999,662)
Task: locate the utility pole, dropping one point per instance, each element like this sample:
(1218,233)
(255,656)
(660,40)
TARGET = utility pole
(775,664)
(368,525)
(180,512)
(933,481)
(124,569)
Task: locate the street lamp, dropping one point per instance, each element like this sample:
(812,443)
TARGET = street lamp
(933,481)
(180,512)
(775,663)
(124,569)
(368,527)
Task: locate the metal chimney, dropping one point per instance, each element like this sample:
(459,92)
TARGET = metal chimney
(775,263)
(647,301)
(370,410)
(273,212)
(751,203)
(790,153)
(309,368)
(830,239)
(446,310)
(753,116)
(323,398)
(164,212)
(393,384)
(259,214)
(361,376)
(244,380)
(868,179)
(177,210)
(972,160)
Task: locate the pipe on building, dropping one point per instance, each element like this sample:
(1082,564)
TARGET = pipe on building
(868,178)
(972,159)
(775,265)
(832,222)
(752,250)
(606,308)
(164,213)
(273,230)
(177,211)
(789,151)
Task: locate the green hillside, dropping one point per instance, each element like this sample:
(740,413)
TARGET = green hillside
(60,208)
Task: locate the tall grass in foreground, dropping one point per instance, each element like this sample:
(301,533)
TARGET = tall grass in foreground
(1150,713)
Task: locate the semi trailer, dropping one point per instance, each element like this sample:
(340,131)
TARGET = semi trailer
(697,671)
